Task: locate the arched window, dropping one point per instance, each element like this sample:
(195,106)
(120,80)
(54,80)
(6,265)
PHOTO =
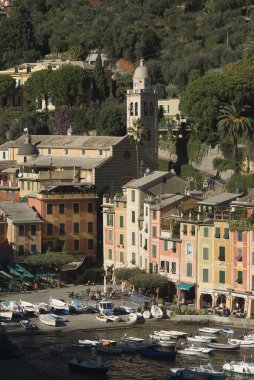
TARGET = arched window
(131,109)
(148,135)
(136,109)
(151,109)
(145,109)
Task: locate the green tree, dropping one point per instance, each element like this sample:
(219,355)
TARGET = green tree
(136,135)
(99,90)
(38,86)
(7,87)
(248,50)
(112,119)
(49,260)
(232,125)
(125,274)
(67,86)
(149,280)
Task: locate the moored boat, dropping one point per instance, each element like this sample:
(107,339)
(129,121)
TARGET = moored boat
(27,324)
(243,343)
(174,334)
(97,367)
(112,317)
(209,330)
(107,350)
(28,307)
(51,319)
(76,306)
(199,373)
(102,318)
(58,305)
(156,312)
(224,346)
(196,351)
(131,318)
(6,315)
(199,339)
(246,368)
(228,330)
(147,314)
(89,342)
(132,339)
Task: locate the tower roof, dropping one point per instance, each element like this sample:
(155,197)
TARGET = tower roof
(141,71)
(27,148)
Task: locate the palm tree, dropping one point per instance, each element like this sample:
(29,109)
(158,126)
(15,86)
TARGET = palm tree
(248,50)
(233,124)
(136,134)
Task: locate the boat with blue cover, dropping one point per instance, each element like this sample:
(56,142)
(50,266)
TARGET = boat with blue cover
(156,354)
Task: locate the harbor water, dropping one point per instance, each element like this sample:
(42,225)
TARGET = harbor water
(124,367)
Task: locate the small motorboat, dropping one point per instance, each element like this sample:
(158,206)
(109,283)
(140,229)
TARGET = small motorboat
(51,319)
(12,306)
(156,312)
(147,314)
(42,308)
(200,339)
(96,367)
(6,314)
(224,346)
(157,336)
(209,330)
(243,343)
(112,317)
(131,318)
(156,354)
(132,339)
(107,350)
(105,306)
(174,334)
(28,307)
(58,305)
(246,368)
(56,349)
(85,342)
(27,324)
(228,330)
(76,306)
(196,351)
(102,318)
(199,373)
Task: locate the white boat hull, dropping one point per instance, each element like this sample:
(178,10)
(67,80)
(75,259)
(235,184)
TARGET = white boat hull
(131,318)
(147,314)
(102,318)
(239,367)
(209,330)
(47,320)
(4,314)
(156,312)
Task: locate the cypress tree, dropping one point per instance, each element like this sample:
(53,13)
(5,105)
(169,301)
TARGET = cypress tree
(99,89)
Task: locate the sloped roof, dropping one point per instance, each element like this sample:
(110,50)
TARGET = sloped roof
(19,212)
(65,162)
(69,142)
(219,198)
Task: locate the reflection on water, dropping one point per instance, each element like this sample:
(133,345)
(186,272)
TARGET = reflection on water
(125,367)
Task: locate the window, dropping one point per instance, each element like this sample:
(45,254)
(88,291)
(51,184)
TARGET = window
(140,240)
(133,238)
(154,215)
(100,152)
(140,261)
(22,185)
(185,229)
(75,208)
(49,208)
(33,248)
(239,277)
(146,211)
(136,109)
(4,155)
(165,245)
(49,229)
(205,253)
(226,233)
(193,230)
(21,250)
(151,109)
(90,227)
(61,208)
(61,228)
(174,246)
(221,256)
(76,228)
(252,282)
(133,258)
(33,229)
(145,246)
(121,257)
(154,232)
(117,204)
(133,216)
(65,151)
(121,239)
(28,185)
(205,275)
(252,258)
(131,109)
(76,245)
(121,221)
(145,109)
(173,267)
(217,232)
(90,207)
(110,235)
(189,270)
(222,277)
(154,251)
(133,195)
(90,244)
(239,254)
(21,230)
(83,151)
(49,151)
(110,220)
(110,254)
(240,235)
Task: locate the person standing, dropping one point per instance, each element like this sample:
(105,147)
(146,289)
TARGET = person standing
(36,286)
